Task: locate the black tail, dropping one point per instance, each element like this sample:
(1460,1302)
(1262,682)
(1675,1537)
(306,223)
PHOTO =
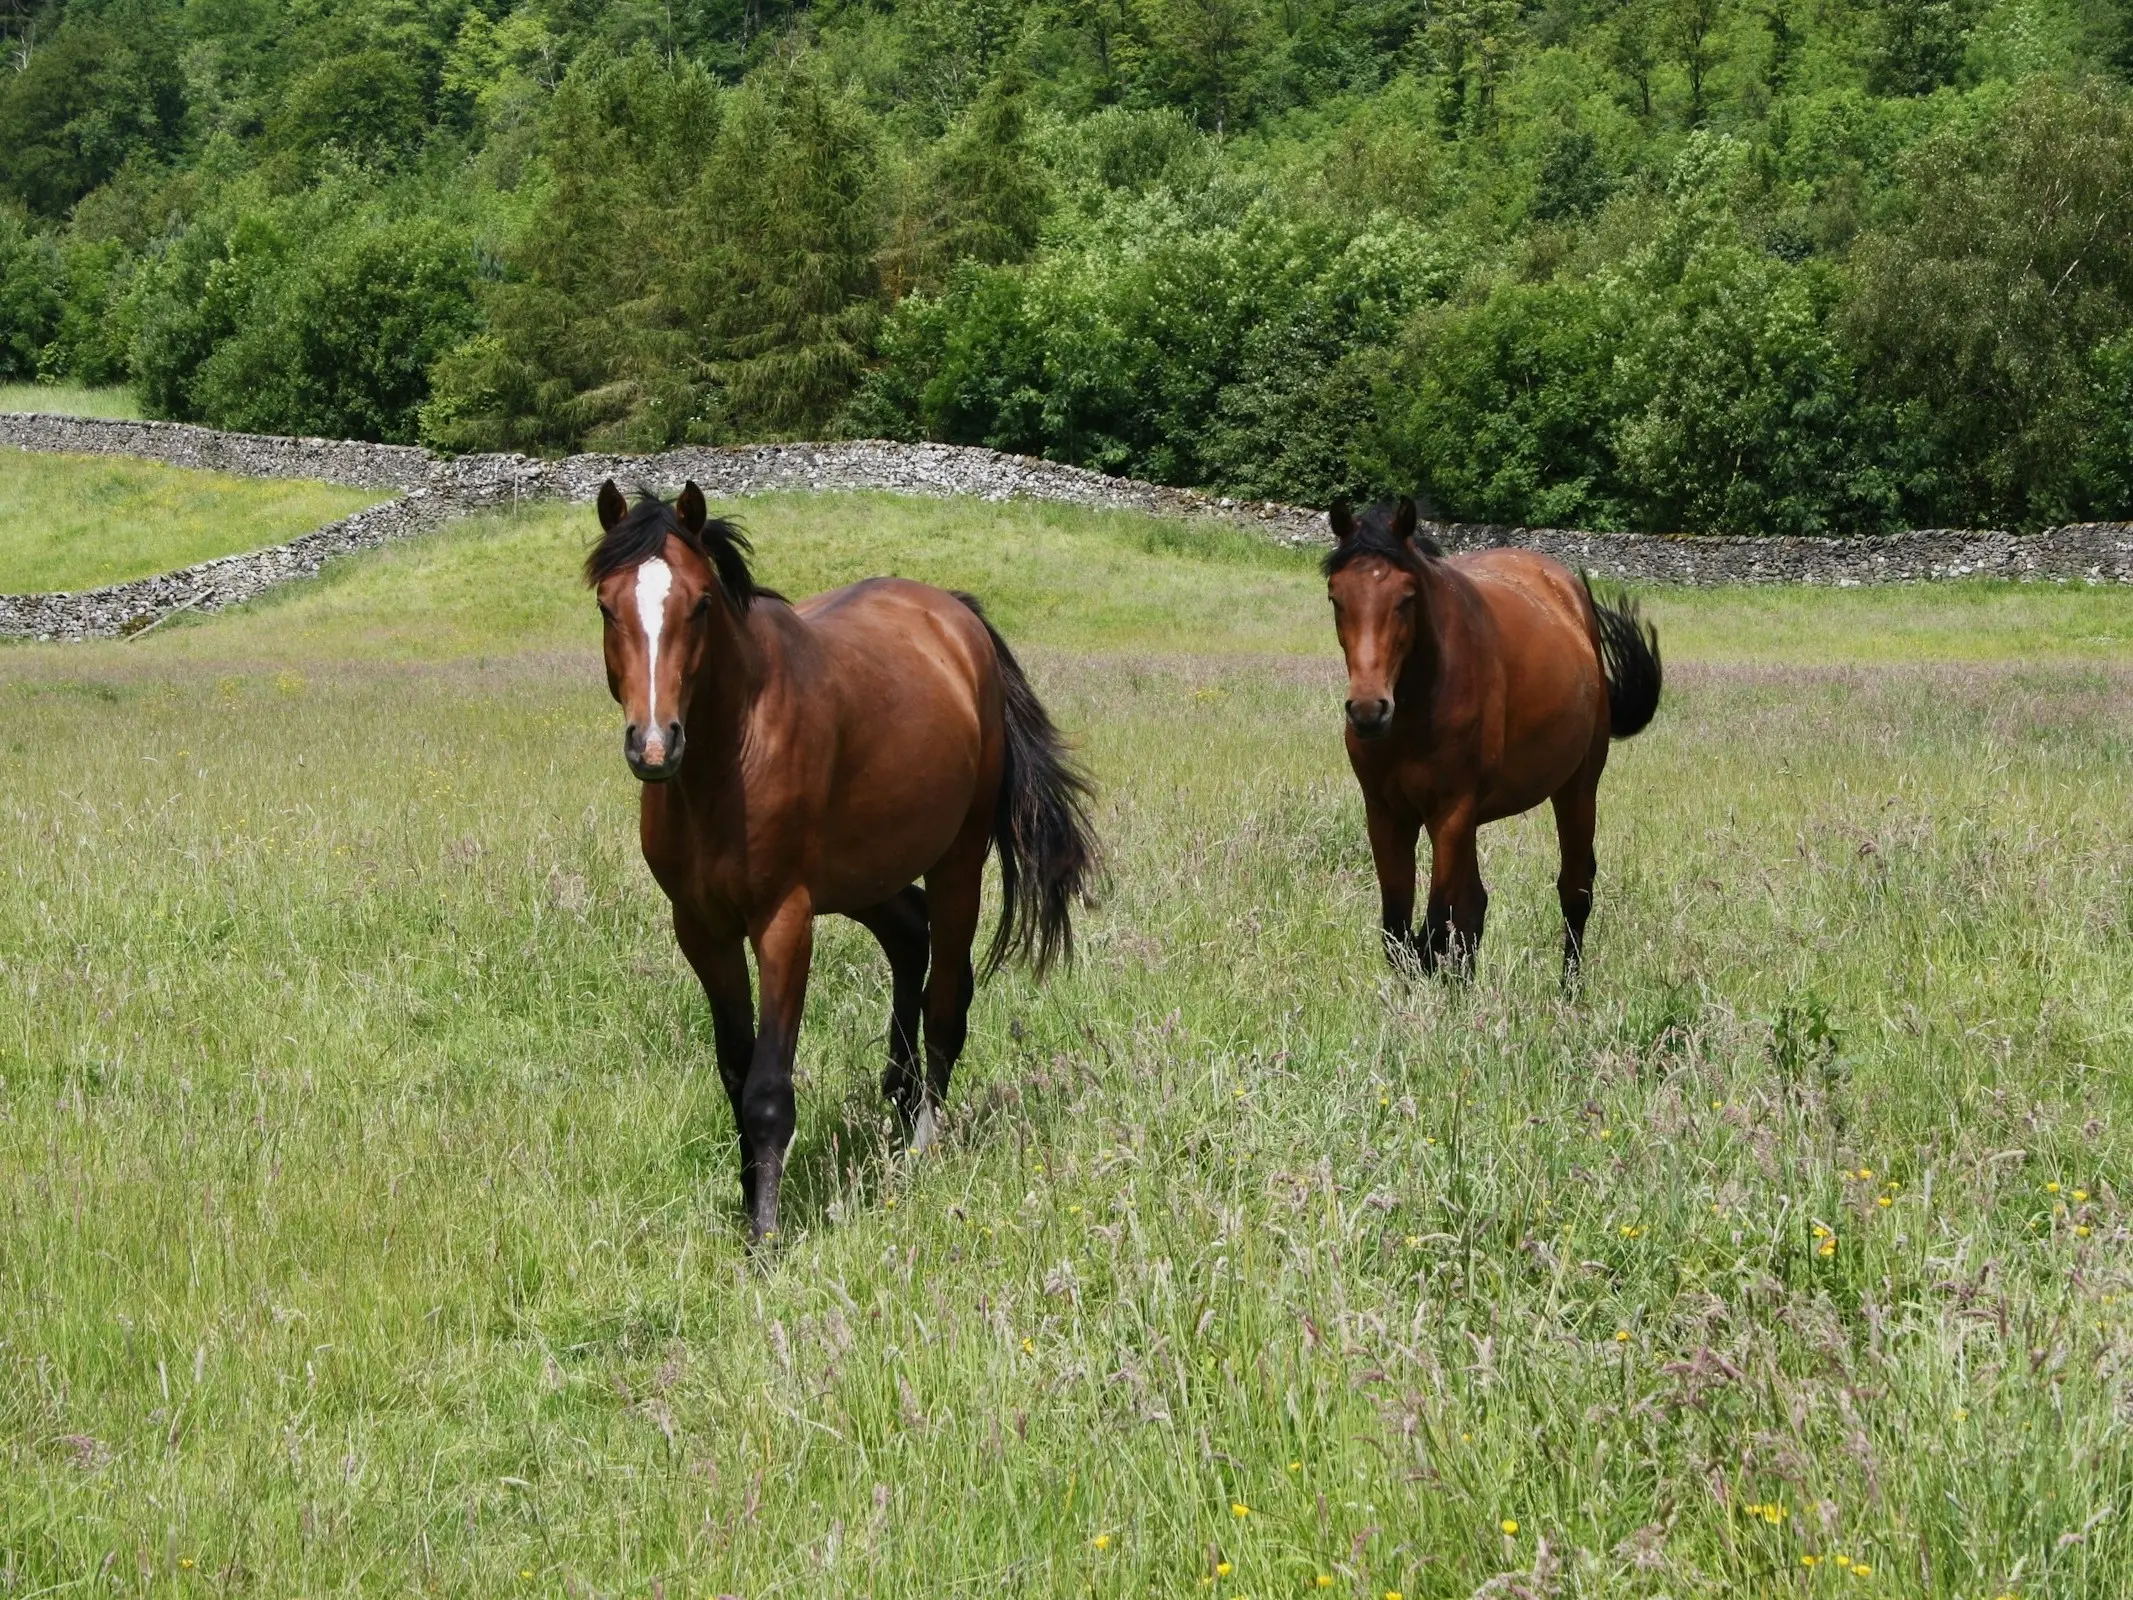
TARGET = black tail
(1047,848)
(1629,654)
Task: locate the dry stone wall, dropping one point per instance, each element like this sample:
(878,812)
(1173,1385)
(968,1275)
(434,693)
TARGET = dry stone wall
(433,489)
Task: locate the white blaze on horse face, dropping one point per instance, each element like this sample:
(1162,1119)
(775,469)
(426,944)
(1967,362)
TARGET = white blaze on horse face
(655,580)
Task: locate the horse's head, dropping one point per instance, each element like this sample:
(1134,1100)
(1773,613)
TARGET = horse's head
(1374,577)
(659,573)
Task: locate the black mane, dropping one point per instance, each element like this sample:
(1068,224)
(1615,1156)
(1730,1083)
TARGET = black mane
(1373,535)
(642,534)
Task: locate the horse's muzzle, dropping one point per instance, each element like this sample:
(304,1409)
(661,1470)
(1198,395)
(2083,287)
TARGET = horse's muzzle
(654,759)
(1369,718)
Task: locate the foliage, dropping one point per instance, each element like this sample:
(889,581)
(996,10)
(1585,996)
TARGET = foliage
(1651,263)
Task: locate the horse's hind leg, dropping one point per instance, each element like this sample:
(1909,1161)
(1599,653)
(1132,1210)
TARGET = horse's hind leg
(953,888)
(1576,815)
(900,924)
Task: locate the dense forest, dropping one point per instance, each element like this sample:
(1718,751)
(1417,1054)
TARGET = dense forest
(1744,265)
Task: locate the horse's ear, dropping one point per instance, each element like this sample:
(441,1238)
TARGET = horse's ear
(1403,519)
(613,508)
(690,508)
(1341,520)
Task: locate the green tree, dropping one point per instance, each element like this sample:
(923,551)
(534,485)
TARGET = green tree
(1692,32)
(790,286)
(593,333)
(1987,315)
(102,89)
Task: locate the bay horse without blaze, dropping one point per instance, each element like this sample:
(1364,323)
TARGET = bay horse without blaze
(830,756)
(1479,685)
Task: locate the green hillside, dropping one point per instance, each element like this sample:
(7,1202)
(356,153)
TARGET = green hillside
(1762,265)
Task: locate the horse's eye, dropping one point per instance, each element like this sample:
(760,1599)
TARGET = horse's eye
(703,604)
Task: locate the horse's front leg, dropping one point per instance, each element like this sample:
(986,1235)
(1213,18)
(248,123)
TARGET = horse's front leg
(784,946)
(1392,851)
(722,968)
(1458,900)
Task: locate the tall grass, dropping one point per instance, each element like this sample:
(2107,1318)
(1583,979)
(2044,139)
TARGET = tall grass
(370,1210)
(78,521)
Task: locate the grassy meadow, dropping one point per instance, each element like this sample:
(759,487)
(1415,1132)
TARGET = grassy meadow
(81,521)
(370,1222)
(71,400)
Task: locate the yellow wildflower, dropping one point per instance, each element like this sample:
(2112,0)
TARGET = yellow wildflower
(1509,1526)
(1296,1466)
(1621,1336)
(1325,1580)
(2052,1187)
(1102,1541)
(1884,1201)
(1808,1561)
(1961,1414)
(2081,1230)
(2081,1194)
(1239,1509)
(1861,1570)
(1222,1569)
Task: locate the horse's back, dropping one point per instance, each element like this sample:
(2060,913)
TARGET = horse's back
(1554,708)
(912,707)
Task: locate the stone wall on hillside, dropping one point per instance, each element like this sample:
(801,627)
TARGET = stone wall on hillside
(434,488)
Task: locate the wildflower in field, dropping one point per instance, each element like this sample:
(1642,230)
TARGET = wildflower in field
(1841,1561)
(2080,1195)
(1809,1561)
(892,1203)
(1861,1570)
(1325,1580)
(526,1573)
(1960,1414)
(1621,1336)
(2081,1230)
(1029,1347)
(1102,1541)
(1296,1466)
(2052,1187)
(1884,1201)
(1829,1247)
(1239,1510)
(1222,1569)
(1414,1241)
(1509,1526)
(1392,1594)
(185,1564)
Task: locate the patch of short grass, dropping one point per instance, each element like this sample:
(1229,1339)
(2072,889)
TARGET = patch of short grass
(71,400)
(81,521)
(1082,580)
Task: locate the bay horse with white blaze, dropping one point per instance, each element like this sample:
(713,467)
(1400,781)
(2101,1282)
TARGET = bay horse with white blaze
(1479,685)
(828,757)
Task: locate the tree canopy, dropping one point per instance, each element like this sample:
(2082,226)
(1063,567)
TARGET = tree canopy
(1739,265)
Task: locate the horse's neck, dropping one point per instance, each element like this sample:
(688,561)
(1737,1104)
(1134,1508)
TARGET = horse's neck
(1438,614)
(739,657)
